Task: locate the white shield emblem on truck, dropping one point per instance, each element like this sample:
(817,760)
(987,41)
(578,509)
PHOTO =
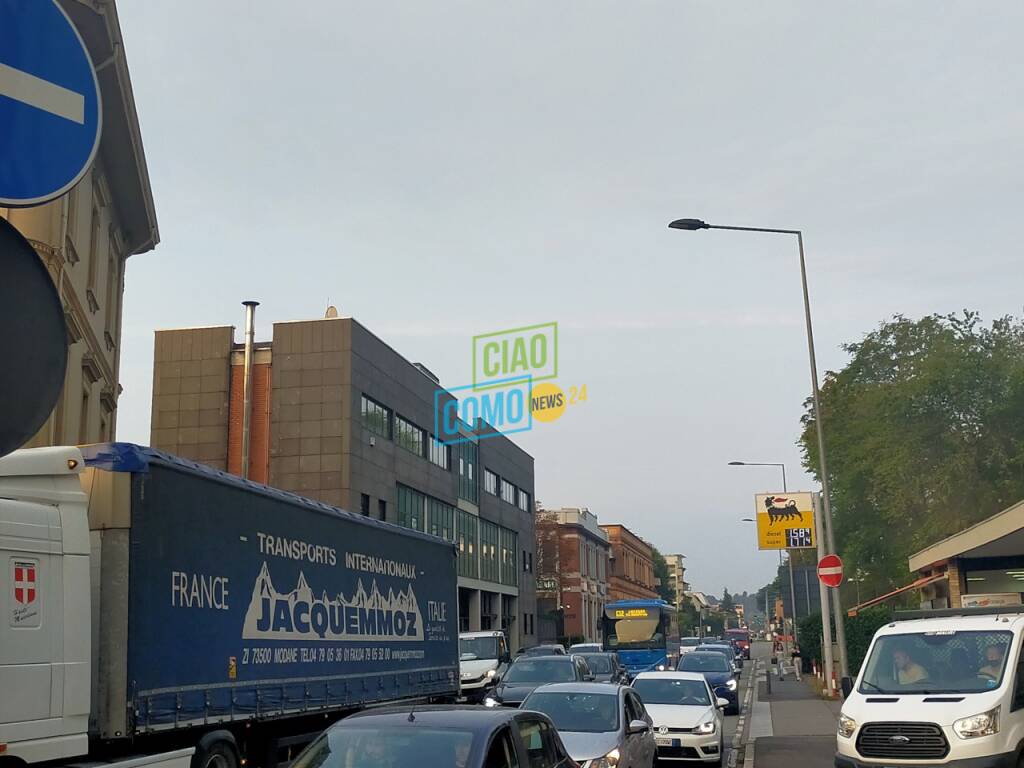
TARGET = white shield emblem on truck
(24,583)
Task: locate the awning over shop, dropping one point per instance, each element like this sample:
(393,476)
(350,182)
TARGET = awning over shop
(922,582)
(1001,535)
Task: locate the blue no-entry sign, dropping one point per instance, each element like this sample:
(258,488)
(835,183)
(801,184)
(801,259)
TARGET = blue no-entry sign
(50,113)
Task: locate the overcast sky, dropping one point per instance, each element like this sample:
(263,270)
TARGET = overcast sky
(443,169)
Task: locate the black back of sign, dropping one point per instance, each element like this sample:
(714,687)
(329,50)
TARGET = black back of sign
(33,344)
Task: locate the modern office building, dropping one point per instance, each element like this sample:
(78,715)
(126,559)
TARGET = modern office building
(677,578)
(632,567)
(572,574)
(86,236)
(337,415)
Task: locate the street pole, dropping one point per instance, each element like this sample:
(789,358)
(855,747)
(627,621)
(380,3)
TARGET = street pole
(826,625)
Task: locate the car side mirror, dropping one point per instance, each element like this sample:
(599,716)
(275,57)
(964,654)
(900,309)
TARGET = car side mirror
(721,703)
(637,726)
(847,685)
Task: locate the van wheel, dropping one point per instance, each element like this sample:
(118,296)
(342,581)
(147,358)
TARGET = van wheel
(215,750)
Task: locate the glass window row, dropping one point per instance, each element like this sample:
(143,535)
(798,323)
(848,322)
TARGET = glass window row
(379,419)
(499,486)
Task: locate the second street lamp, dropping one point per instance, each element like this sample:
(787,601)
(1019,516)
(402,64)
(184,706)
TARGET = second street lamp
(789,555)
(696,224)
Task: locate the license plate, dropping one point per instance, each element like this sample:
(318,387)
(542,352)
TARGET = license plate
(665,741)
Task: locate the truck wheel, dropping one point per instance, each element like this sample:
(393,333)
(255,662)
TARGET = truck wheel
(216,750)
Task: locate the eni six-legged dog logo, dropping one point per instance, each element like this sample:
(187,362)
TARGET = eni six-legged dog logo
(513,385)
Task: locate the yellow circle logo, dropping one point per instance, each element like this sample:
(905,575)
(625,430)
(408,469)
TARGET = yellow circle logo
(547,402)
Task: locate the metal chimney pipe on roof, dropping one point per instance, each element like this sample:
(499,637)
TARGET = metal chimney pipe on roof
(250,332)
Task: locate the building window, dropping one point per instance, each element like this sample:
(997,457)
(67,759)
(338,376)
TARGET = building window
(83,420)
(508,491)
(364,504)
(509,545)
(440,453)
(466,538)
(94,243)
(490,482)
(409,436)
(530,569)
(382,509)
(468,488)
(376,417)
(490,565)
(411,508)
(524,501)
(441,520)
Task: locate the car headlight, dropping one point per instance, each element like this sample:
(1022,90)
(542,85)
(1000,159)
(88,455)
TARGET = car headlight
(491,673)
(608,761)
(985,724)
(706,728)
(847,725)
(490,701)
(661,667)
(731,685)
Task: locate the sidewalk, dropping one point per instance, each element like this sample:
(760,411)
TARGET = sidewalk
(791,726)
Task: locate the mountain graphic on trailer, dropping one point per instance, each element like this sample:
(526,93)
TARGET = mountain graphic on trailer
(302,615)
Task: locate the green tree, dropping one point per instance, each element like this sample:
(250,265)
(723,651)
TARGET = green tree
(925,435)
(661,575)
(727,605)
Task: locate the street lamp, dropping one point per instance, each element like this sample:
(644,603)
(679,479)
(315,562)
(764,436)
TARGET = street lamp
(789,555)
(695,224)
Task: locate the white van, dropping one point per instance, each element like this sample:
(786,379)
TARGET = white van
(938,688)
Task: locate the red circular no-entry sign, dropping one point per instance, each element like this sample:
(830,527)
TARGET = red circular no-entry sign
(830,570)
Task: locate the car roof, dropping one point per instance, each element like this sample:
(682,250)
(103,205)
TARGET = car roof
(670,675)
(714,647)
(486,633)
(990,623)
(602,688)
(460,717)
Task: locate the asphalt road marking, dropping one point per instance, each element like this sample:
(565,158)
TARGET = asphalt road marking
(42,94)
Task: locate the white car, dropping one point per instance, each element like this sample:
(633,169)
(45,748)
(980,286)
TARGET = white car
(688,645)
(482,658)
(688,720)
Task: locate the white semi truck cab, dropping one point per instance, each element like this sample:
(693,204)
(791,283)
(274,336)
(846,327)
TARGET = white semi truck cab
(45,635)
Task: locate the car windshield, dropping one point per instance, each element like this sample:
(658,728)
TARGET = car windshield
(545,650)
(599,663)
(690,642)
(541,671)
(704,662)
(385,746)
(580,712)
(664,690)
(947,661)
(478,647)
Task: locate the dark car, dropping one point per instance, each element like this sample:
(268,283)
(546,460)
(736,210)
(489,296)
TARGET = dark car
(724,648)
(606,667)
(718,672)
(438,737)
(543,650)
(528,672)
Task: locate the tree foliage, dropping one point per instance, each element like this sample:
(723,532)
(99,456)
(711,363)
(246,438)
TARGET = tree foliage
(665,591)
(925,435)
(727,604)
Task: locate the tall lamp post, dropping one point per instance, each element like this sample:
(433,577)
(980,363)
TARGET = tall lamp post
(789,555)
(695,224)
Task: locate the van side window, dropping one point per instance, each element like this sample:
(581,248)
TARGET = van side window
(1018,683)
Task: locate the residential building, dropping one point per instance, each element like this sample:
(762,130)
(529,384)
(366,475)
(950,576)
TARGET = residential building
(337,415)
(86,236)
(677,578)
(631,576)
(572,574)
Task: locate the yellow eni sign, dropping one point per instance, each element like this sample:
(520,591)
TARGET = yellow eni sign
(785,521)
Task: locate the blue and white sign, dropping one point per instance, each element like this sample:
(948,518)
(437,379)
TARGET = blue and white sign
(50,113)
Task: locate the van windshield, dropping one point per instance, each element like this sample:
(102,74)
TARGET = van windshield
(946,661)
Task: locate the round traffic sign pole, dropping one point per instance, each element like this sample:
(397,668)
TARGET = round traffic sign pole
(830,571)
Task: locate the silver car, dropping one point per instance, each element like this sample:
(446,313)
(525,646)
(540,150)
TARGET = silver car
(601,724)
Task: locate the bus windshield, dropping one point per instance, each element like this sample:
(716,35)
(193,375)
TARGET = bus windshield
(634,628)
